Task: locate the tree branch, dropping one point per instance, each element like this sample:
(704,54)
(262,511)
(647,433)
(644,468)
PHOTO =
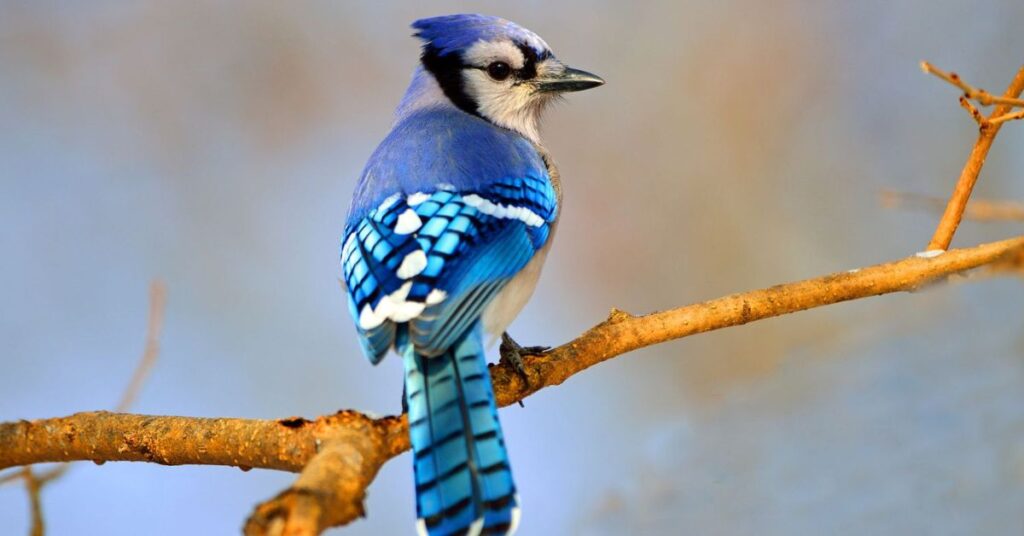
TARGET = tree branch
(983,97)
(987,131)
(340,454)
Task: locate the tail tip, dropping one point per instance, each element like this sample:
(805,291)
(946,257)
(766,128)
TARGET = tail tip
(477,526)
(516,514)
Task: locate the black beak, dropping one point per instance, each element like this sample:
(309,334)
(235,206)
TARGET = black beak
(569,80)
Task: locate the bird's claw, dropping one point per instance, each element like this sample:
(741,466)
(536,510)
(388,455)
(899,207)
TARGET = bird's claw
(512,352)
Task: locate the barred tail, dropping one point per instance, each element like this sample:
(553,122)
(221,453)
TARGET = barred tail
(463,478)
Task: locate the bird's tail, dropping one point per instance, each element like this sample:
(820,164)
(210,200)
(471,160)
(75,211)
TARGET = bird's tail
(463,478)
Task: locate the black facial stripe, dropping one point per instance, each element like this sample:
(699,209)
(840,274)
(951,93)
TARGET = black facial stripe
(530,58)
(447,70)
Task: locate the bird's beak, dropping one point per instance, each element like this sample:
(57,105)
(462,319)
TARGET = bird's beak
(568,80)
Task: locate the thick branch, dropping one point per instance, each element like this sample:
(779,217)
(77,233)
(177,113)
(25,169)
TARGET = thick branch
(331,488)
(101,436)
(340,454)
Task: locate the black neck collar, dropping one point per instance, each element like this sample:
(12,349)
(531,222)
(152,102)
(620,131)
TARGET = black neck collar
(447,70)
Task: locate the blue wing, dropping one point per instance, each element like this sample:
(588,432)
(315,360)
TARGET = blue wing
(421,267)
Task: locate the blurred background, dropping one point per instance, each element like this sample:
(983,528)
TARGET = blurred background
(737,144)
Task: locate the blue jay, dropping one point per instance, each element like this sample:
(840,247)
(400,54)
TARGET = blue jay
(443,245)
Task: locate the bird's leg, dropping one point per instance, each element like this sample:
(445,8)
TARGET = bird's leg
(513,353)
(405,402)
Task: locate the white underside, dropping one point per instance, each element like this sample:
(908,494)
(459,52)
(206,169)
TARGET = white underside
(504,308)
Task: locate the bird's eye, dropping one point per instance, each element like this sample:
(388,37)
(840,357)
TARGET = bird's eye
(499,70)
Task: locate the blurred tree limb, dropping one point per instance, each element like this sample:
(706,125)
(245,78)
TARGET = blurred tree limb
(338,455)
(986,210)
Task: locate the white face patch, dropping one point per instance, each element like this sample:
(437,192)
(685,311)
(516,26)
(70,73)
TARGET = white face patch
(508,103)
(483,53)
(549,67)
(515,107)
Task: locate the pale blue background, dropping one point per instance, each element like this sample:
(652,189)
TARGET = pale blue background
(737,144)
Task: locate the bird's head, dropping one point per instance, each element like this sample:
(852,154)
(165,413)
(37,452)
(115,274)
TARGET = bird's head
(496,69)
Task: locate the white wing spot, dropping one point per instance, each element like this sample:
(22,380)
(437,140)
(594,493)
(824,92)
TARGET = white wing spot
(498,210)
(370,318)
(408,222)
(406,311)
(388,203)
(402,293)
(416,198)
(392,307)
(412,264)
(436,296)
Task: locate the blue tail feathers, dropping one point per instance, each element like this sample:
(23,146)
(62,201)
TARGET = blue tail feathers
(463,477)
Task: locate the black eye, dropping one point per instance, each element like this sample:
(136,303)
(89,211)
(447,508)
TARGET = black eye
(499,70)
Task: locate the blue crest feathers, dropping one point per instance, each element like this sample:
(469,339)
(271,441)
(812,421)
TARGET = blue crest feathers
(456,33)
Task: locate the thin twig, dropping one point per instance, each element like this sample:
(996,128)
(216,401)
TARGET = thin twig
(1007,117)
(983,97)
(10,477)
(965,103)
(951,217)
(157,301)
(34,486)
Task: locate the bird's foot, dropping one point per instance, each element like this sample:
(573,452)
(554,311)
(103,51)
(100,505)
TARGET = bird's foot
(512,352)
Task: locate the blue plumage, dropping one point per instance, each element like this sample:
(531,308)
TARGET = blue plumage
(456,33)
(442,145)
(448,225)
(450,404)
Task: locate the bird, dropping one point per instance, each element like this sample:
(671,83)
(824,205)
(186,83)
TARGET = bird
(448,228)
